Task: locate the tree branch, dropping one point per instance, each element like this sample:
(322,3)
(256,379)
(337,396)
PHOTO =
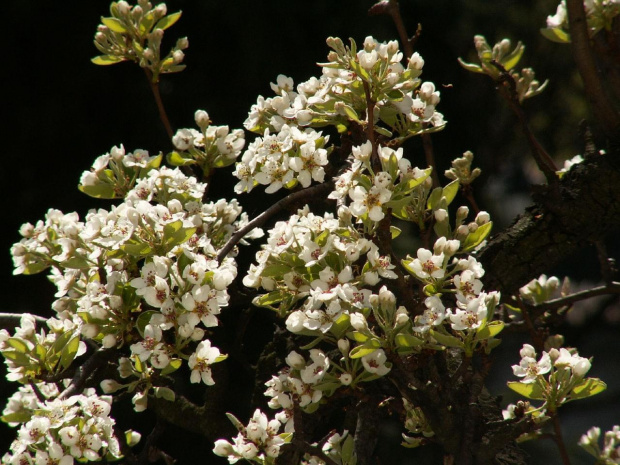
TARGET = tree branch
(305,194)
(607,116)
(12,320)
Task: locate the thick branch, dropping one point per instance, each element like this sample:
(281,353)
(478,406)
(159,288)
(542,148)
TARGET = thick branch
(604,111)
(548,232)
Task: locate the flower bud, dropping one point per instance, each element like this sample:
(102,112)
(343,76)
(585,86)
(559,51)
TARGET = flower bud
(441,215)
(402,317)
(294,360)
(462,213)
(440,243)
(109,385)
(346,379)
(344,346)
(554,354)
(472,227)
(358,321)
(109,341)
(482,218)
(178,56)
(125,368)
(182,43)
(462,230)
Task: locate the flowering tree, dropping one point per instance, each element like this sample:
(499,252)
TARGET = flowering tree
(370,325)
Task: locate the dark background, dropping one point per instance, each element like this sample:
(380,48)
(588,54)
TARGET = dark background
(60,112)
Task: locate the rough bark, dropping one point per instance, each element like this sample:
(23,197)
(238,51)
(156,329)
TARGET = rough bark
(586,209)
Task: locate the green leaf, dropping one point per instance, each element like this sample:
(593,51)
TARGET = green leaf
(114,25)
(474,239)
(511,60)
(143,320)
(403,340)
(357,336)
(76,263)
(490,330)
(351,113)
(365,349)
(165,393)
(450,191)
(177,159)
(21,416)
(69,351)
(470,67)
(36,267)
(168,21)
(19,358)
(173,366)
(275,270)
(138,249)
(268,300)
(383,131)
(529,390)
(434,198)
(233,419)
(395,232)
(18,344)
(447,340)
(555,34)
(99,191)
(587,388)
(106,60)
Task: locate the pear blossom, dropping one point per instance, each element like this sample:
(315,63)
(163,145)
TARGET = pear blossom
(427,265)
(375,363)
(200,362)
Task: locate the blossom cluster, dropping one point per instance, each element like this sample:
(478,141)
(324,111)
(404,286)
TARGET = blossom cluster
(137,272)
(210,147)
(599,15)
(57,430)
(609,454)
(258,441)
(135,33)
(287,158)
(338,96)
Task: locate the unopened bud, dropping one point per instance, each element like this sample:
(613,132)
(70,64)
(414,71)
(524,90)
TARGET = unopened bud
(472,227)
(344,346)
(441,215)
(482,218)
(202,119)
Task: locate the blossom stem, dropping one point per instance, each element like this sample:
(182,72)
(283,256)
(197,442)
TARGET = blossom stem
(370,127)
(314,192)
(160,104)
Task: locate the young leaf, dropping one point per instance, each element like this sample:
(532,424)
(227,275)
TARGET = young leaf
(529,390)
(168,21)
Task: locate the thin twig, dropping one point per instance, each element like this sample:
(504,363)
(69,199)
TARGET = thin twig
(160,104)
(85,371)
(305,194)
(612,288)
(427,144)
(12,320)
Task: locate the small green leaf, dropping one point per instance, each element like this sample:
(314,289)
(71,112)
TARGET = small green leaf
(268,300)
(106,60)
(177,159)
(165,393)
(434,198)
(233,419)
(511,60)
(21,416)
(470,67)
(173,366)
(403,340)
(114,25)
(69,351)
(99,191)
(450,191)
(168,21)
(529,390)
(447,340)
(357,336)
(587,388)
(490,330)
(365,349)
(395,232)
(18,344)
(474,239)
(555,34)
(383,131)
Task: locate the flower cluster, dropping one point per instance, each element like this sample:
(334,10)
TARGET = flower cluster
(211,147)
(599,15)
(62,431)
(557,377)
(135,34)
(258,441)
(610,453)
(339,96)
(287,158)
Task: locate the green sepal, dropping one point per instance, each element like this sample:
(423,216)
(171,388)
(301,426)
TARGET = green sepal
(587,388)
(167,21)
(474,239)
(106,60)
(530,390)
